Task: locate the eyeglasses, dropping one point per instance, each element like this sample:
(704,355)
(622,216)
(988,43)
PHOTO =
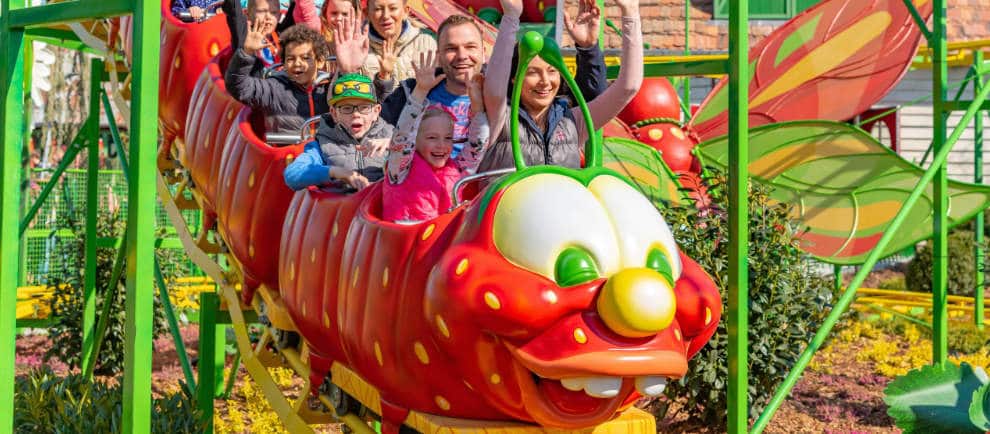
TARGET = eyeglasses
(339,88)
(348,109)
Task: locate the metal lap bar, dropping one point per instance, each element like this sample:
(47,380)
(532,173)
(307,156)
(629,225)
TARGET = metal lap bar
(456,192)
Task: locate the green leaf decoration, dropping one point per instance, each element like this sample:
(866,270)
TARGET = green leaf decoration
(935,398)
(845,186)
(644,166)
(979,409)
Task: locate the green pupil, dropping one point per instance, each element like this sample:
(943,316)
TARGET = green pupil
(574,266)
(657,261)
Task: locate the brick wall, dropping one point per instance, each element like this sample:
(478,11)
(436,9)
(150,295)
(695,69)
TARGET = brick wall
(663,24)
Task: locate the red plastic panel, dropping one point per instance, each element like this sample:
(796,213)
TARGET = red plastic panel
(212,115)
(349,280)
(252,199)
(186,49)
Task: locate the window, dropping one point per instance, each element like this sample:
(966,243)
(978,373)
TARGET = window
(766,9)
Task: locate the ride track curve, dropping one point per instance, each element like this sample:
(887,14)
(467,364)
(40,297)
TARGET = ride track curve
(494,338)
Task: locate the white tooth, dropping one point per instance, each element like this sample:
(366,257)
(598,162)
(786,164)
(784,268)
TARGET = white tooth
(603,387)
(651,385)
(574,384)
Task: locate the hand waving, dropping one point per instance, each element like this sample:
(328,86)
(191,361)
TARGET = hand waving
(350,38)
(426,78)
(512,8)
(386,62)
(255,39)
(584,28)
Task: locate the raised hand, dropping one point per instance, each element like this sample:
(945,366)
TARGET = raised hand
(628,7)
(476,92)
(350,39)
(584,28)
(255,39)
(386,62)
(426,78)
(511,8)
(196,12)
(375,147)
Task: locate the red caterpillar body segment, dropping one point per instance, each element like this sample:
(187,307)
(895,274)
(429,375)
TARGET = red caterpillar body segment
(239,176)
(457,317)
(354,287)
(186,49)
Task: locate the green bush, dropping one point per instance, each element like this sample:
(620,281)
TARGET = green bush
(67,305)
(966,338)
(962,265)
(787,300)
(47,403)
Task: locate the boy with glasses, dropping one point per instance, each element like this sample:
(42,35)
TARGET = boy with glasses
(351,141)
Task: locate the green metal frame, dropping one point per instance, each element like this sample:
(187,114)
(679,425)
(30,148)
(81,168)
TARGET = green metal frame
(14,19)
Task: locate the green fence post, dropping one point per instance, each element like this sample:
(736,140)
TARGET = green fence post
(211,355)
(940,250)
(90,135)
(28,84)
(11,143)
(173,326)
(738,309)
(141,217)
(978,178)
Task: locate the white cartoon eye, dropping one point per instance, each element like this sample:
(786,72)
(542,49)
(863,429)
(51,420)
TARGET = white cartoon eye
(642,234)
(552,225)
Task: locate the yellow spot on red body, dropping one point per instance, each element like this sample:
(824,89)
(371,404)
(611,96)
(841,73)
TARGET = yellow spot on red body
(708,315)
(442,325)
(428,231)
(251,179)
(214,49)
(677,334)
(304,309)
(206,145)
(333,232)
(312,255)
(177,63)
(326,320)
(421,354)
(461,267)
(579,336)
(550,296)
(230,114)
(442,403)
(355,279)
(251,250)
(677,132)
(292,271)
(385,278)
(655,134)
(289,158)
(495,379)
(378,354)
(492,300)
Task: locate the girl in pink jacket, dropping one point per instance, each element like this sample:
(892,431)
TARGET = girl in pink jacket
(420,174)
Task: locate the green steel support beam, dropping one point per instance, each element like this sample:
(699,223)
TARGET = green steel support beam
(110,293)
(919,21)
(211,356)
(173,327)
(850,293)
(672,69)
(962,105)
(686,97)
(737,320)
(78,10)
(940,227)
(141,213)
(91,132)
(115,134)
(978,178)
(67,159)
(232,377)
(28,83)
(11,144)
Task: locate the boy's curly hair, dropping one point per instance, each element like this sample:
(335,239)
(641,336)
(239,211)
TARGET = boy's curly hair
(301,34)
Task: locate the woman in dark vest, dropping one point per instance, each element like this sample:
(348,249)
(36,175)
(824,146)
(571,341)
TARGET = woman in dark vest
(550,131)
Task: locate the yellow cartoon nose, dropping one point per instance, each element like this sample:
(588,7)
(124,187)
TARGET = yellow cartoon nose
(637,302)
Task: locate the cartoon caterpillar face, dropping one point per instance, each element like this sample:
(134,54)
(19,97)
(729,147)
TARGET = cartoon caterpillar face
(564,294)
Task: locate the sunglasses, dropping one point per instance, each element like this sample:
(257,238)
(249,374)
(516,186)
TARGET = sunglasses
(339,88)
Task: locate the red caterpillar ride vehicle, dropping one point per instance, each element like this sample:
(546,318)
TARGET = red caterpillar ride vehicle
(552,296)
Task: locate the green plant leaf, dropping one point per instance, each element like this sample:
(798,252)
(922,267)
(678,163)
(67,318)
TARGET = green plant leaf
(845,186)
(644,166)
(935,398)
(979,409)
